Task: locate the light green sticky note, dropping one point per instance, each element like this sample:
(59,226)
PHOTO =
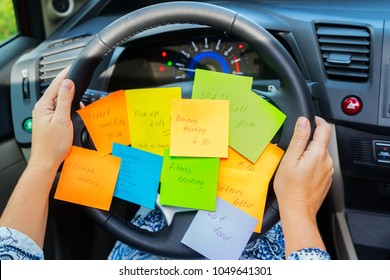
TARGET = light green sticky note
(149,112)
(189,182)
(253,124)
(253,121)
(216,85)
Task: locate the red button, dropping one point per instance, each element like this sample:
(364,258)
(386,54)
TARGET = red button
(351,105)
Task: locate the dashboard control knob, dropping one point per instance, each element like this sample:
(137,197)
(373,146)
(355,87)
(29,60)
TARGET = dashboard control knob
(351,105)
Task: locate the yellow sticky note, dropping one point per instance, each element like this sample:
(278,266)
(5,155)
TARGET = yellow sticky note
(266,164)
(200,128)
(106,121)
(244,190)
(149,113)
(88,178)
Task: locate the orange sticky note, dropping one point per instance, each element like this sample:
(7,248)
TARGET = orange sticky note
(107,122)
(266,164)
(199,128)
(88,178)
(244,190)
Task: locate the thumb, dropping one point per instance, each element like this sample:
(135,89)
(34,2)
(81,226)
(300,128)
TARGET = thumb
(64,99)
(299,139)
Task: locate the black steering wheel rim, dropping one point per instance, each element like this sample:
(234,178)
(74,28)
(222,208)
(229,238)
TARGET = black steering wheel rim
(293,99)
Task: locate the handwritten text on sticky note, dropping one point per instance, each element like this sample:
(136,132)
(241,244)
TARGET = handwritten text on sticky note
(106,121)
(220,235)
(200,128)
(217,85)
(189,182)
(253,121)
(139,175)
(245,190)
(150,117)
(253,124)
(266,164)
(88,178)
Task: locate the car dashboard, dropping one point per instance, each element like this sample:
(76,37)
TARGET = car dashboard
(341,47)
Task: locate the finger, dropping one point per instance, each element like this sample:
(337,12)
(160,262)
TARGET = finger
(52,91)
(299,139)
(321,135)
(64,99)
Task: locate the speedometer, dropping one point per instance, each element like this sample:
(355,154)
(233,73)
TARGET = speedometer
(209,53)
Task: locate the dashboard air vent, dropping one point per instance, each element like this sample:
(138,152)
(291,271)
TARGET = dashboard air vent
(345,51)
(59,55)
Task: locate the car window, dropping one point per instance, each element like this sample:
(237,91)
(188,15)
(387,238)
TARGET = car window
(8,27)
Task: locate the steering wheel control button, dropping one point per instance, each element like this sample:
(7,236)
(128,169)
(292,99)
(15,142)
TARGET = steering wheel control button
(27,125)
(351,105)
(382,152)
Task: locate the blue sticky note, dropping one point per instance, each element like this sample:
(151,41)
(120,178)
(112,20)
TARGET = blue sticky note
(220,235)
(139,175)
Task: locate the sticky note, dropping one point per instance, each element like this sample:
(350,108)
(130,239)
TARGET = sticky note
(106,121)
(149,112)
(88,178)
(253,121)
(199,128)
(139,175)
(253,124)
(189,182)
(244,190)
(217,85)
(266,164)
(220,235)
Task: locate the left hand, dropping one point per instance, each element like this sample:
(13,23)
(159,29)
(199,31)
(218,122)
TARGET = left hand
(52,135)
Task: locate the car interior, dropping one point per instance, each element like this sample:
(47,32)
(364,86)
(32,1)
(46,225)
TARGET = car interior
(329,55)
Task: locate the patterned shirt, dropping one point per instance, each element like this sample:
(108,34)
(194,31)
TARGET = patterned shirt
(270,246)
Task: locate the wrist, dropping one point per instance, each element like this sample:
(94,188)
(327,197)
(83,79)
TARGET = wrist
(43,165)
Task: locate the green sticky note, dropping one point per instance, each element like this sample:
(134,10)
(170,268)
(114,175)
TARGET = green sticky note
(189,182)
(253,124)
(253,121)
(149,112)
(216,85)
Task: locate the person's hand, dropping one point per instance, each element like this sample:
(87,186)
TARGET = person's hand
(52,134)
(305,173)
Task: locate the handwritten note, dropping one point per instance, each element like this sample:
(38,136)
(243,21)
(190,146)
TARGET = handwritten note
(189,182)
(253,124)
(139,175)
(200,128)
(266,164)
(217,85)
(150,117)
(253,121)
(220,235)
(245,190)
(88,178)
(245,184)
(106,121)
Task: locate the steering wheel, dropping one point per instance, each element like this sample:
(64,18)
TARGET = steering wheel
(293,98)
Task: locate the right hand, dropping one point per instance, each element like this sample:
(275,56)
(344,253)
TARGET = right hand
(305,174)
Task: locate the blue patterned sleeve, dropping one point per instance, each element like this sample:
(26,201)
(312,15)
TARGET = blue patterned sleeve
(15,245)
(309,254)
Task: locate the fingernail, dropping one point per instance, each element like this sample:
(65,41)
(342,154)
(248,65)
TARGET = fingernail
(66,84)
(302,123)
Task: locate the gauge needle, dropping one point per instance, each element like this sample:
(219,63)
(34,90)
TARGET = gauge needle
(186,69)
